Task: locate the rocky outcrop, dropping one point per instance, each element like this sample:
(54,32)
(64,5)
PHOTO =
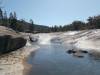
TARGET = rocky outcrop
(12,63)
(10,40)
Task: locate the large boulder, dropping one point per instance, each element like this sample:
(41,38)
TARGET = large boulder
(10,40)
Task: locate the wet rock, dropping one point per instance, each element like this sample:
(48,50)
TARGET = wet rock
(33,39)
(71,51)
(56,40)
(83,51)
(76,51)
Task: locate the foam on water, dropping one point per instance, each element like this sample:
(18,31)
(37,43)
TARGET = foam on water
(44,39)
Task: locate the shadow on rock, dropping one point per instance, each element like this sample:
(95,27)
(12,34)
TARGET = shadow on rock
(9,43)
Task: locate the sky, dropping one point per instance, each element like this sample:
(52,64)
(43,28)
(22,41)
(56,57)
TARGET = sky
(53,12)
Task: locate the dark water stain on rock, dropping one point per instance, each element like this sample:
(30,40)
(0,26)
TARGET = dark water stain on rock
(9,43)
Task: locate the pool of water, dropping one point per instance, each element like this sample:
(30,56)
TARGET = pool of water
(52,59)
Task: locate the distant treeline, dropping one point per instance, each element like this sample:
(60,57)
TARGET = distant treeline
(23,26)
(92,23)
(11,21)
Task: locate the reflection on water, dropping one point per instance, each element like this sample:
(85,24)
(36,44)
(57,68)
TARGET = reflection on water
(53,60)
